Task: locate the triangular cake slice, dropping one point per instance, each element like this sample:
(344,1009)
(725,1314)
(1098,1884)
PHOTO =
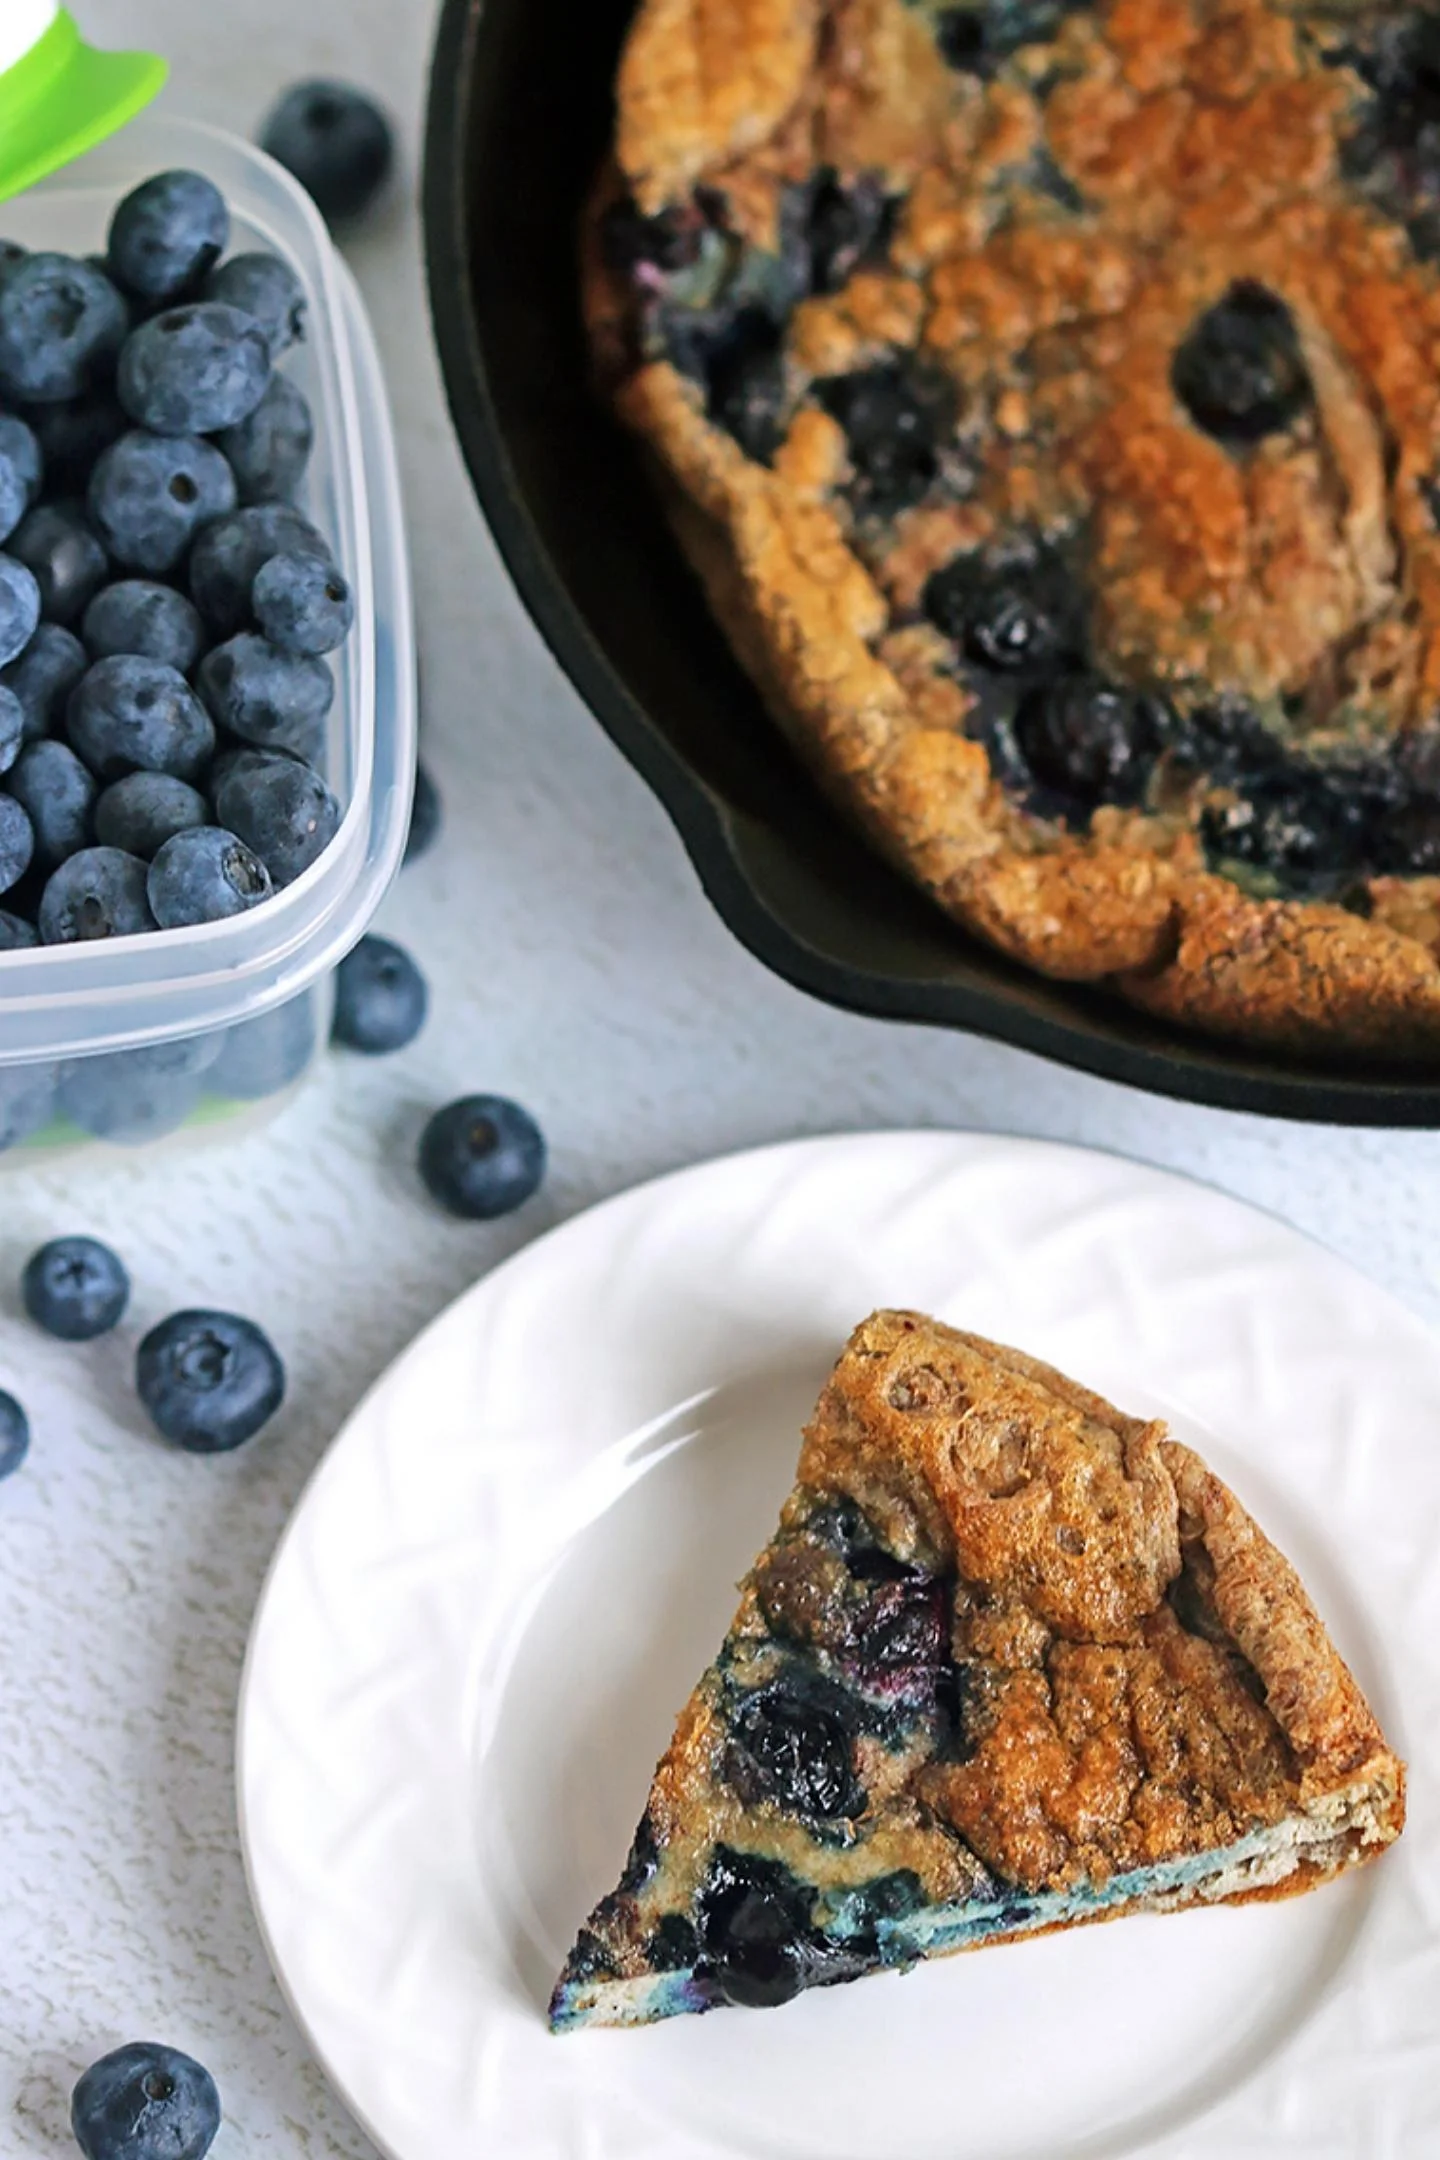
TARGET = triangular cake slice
(1011,1661)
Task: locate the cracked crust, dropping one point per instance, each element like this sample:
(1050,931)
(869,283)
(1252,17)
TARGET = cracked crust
(1193,124)
(1111,1733)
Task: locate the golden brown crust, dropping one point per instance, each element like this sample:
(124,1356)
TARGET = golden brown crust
(1141,1677)
(1114,1729)
(1250,575)
(702,81)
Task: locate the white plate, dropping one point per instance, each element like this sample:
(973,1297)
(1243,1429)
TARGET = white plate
(519,1554)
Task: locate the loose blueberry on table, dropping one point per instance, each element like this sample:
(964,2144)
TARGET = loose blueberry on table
(482,1157)
(424,816)
(335,141)
(209,1380)
(14,1435)
(145,2102)
(75,1288)
(381,998)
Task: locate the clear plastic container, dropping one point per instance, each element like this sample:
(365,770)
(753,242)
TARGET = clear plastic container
(135,1038)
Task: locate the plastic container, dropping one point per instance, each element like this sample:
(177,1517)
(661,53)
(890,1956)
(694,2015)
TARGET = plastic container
(133,1039)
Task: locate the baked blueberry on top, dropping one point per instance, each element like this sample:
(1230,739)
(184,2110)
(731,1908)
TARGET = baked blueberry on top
(1049,401)
(1011,1661)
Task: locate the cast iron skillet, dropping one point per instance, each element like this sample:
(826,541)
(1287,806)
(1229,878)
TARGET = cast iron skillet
(519,117)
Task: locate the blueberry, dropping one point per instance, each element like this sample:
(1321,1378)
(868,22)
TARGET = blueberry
(674,1945)
(44,676)
(745,373)
(229,553)
(135,715)
(1304,824)
(977,39)
(144,810)
(424,816)
(69,565)
(166,234)
(132,1096)
(655,247)
(99,893)
(482,1156)
(14,1435)
(16,935)
(150,494)
(795,1753)
(900,1637)
(280,808)
(891,416)
(643,1859)
(72,434)
(205,876)
(27,1102)
(153,622)
(844,227)
(19,608)
(260,1057)
(381,998)
(12,728)
(61,325)
(1018,617)
(193,369)
(265,287)
(58,792)
(75,1288)
(145,2102)
(335,141)
(1239,372)
(269,451)
(1408,841)
(273,699)
(755,1931)
(17,842)
(303,605)
(20,470)
(1395,147)
(209,1380)
(1087,739)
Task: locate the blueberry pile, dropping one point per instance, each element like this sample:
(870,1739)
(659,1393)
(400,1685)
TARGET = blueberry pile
(165,610)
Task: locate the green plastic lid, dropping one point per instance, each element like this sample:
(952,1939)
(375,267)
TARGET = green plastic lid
(58,95)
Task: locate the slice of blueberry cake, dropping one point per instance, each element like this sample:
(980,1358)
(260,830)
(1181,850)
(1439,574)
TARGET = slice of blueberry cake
(1012,1661)
(1047,396)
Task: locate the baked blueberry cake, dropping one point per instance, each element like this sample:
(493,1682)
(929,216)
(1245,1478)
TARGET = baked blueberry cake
(1049,397)
(1012,1661)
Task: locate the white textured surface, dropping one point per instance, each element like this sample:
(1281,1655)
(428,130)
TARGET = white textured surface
(513,1564)
(574,964)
